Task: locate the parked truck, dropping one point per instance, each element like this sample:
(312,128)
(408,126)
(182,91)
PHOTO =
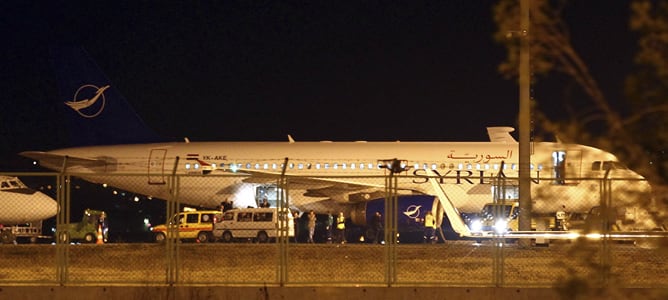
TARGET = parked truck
(93,226)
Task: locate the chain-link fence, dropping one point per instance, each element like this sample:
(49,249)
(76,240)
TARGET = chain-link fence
(365,231)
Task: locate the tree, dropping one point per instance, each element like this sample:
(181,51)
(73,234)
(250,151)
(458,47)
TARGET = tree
(552,52)
(647,87)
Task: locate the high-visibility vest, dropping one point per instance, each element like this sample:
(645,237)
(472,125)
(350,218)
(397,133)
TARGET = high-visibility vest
(340,222)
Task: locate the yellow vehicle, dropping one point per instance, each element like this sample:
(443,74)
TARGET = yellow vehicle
(191,225)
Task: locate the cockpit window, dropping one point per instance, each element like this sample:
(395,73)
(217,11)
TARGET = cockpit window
(596,166)
(613,165)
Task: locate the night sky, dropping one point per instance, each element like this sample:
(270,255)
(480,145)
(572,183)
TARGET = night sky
(259,70)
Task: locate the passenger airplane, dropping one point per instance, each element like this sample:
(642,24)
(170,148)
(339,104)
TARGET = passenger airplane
(21,204)
(112,140)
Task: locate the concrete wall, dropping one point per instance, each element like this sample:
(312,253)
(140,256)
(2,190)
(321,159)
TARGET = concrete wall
(319,293)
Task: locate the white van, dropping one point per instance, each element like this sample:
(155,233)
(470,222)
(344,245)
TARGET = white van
(261,224)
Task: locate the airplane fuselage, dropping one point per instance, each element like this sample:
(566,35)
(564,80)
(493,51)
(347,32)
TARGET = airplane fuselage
(466,170)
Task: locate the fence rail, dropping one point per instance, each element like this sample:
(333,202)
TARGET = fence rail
(613,249)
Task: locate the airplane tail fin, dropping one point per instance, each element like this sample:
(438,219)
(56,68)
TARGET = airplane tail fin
(95,111)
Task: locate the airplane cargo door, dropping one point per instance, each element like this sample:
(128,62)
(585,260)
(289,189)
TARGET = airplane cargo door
(156,166)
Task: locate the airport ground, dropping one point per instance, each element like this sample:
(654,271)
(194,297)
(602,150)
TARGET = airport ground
(454,270)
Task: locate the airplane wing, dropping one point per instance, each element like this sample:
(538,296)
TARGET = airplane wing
(55,161)
(321,187)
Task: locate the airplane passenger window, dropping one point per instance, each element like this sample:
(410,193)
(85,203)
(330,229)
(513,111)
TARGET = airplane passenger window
(326,166)
(317,166)
(187,166)
(265,166)
(196,166)
(460,166)
(300,166)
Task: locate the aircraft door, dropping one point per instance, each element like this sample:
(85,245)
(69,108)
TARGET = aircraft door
(574,165)
(156,166)
(567,166)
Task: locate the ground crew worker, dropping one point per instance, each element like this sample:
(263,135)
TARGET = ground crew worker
(429,228)
(341,228)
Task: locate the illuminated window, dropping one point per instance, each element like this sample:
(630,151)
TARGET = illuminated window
(352,166)
(336,166)
(291,165)
(187,166)
(477,166)
(300,166)
(265,166)
(257,166)
(361,166)
(196,166)
(469,167)
(317,166)
(434,166)
(496,166)
(248,165)
(460,166)
(326,166)
(213,166)
(343,166)
(371,166)
(273,166)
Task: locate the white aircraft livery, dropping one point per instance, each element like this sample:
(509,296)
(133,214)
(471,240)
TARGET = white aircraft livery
(326,176)
(21,204)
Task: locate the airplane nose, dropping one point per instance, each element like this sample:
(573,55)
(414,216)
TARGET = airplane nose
(45,207)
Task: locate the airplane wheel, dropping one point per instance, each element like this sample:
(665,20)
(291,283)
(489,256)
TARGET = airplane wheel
(262,237)
(227,236)
(159,237)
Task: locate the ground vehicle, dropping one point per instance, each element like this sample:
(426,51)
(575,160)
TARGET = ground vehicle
(25,231)
(261,224)
(501,217)
(93,223)
(192,225)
